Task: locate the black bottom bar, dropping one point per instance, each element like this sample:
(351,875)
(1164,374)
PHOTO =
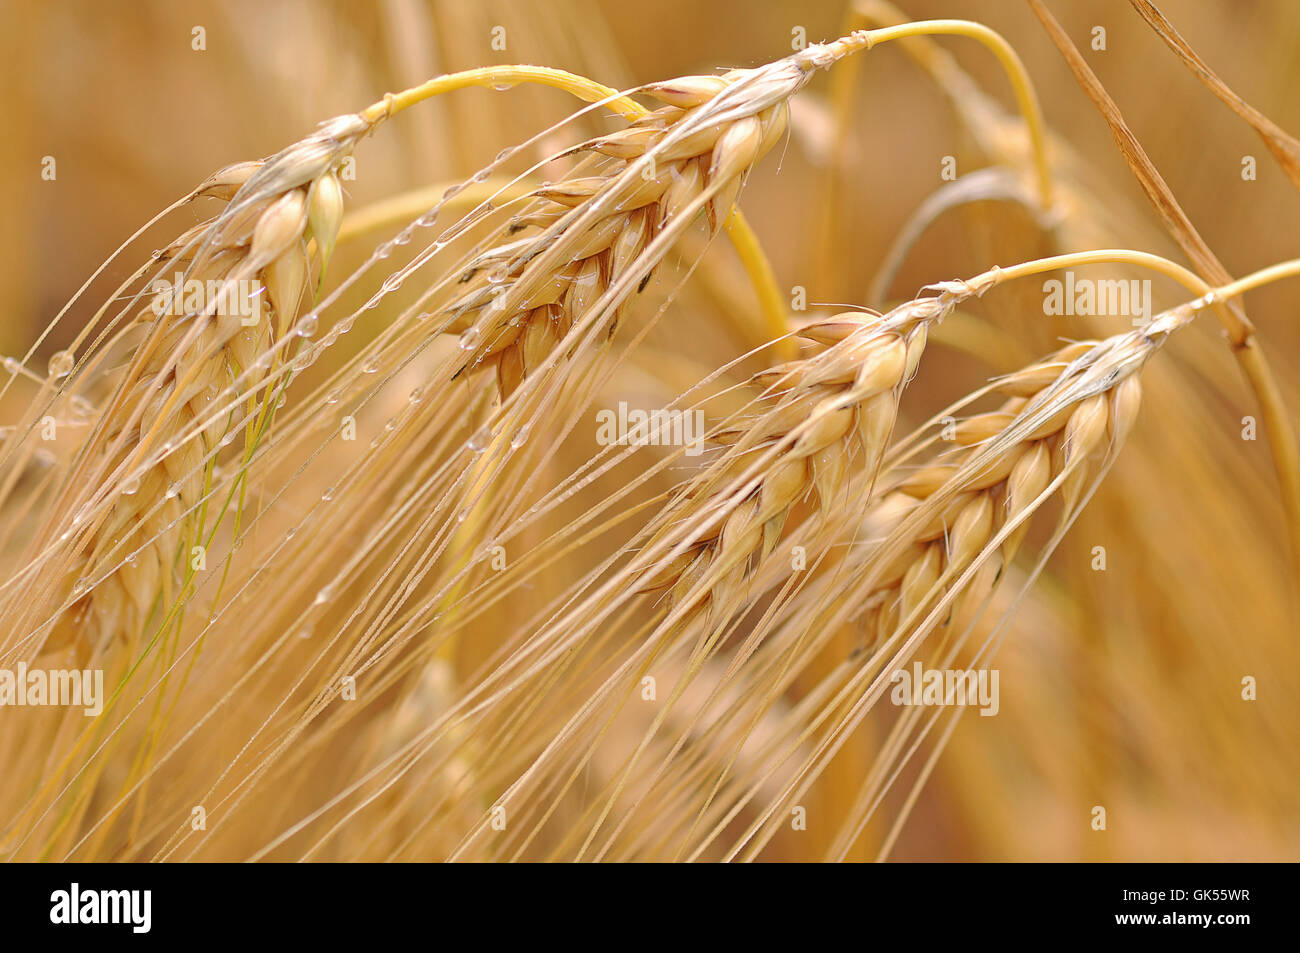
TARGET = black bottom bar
(452,904)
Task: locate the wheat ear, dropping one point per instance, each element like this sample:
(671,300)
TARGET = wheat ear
(693,152)
(944,533)
(821,422)
(160,428)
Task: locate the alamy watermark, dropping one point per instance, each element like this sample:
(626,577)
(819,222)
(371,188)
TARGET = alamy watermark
(944,687)
(182,296)
(1086,297)
(53,688)
(130,907)
(655,428)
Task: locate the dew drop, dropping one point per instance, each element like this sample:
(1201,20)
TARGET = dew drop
(131,487)
(403,237)
(333,397)
(324,595)
(173,491)
(309,325)
(371,366)
(392,283)
(61,364)
(80,586)
(519,437)
(470,338)
(346,324)
(384,250)
(427,219)
(328,495)
(12,365)
(479,442)
(461,516)
(415,396)
(452,192)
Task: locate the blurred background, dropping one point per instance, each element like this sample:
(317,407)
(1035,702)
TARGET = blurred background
(1129,680)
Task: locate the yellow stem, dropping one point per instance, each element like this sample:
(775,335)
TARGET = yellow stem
(503,77)
(845,86)
(1257,279)
(1021,86)
(1098,256)
(771,300)
(1209,295)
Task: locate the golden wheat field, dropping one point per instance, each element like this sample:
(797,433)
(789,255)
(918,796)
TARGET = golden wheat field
(594,431)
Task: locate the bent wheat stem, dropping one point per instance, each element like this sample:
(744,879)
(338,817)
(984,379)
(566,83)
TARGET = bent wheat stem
(844,86)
